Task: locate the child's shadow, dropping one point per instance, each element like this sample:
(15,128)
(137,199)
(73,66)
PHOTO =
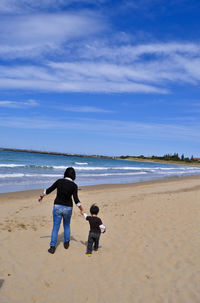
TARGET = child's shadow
(83,242)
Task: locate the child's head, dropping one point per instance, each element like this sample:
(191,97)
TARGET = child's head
(94,209)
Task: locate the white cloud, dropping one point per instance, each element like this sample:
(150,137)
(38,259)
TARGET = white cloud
(86,109)
(81,86)
(34,35)
(128,52)
(113,128)
(166,64)
(21,6)
(18,104)
(54,77)
(63,57)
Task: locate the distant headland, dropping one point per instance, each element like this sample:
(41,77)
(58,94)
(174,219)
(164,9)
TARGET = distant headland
(56,153)
(168,158)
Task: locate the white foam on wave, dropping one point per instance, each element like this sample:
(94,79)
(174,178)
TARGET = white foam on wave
(57,167)
(79,168)
(21,175)
(29,175)
(12,165)
(179,168)
(113,174)
(141,169)
(11,175)
(177,172)
(44,175)
(110,168)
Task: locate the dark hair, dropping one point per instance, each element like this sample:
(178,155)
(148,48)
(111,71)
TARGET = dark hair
(94,209)
(70,173)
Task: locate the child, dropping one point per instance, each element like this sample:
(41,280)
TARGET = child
(95,229)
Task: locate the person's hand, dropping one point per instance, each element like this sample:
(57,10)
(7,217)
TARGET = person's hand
(40,198)
(82,212)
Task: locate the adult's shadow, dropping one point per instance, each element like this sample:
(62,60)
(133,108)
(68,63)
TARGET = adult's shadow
(61,239)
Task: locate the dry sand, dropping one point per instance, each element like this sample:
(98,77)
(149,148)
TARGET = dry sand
(149,254)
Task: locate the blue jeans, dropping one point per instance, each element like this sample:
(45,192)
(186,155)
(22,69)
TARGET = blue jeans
(61,212)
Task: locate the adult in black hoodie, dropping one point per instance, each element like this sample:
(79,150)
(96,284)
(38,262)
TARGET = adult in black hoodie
(63,204)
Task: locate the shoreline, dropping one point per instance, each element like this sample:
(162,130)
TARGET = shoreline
(161,161)
(105,186)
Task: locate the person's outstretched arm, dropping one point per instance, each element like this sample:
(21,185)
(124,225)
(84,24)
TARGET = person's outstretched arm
(48,191)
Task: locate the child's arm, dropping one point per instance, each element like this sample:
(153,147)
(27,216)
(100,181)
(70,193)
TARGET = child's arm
(85,215)
(103,227)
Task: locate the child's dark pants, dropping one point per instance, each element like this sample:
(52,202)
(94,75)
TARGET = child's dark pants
(93,238)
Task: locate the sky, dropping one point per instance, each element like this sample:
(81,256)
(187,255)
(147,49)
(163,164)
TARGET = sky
(100,76)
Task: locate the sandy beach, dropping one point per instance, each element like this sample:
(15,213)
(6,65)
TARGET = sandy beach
(149,254)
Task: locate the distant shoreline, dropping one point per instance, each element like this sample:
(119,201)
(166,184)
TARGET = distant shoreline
(127,158)
(148,160)
(56,153)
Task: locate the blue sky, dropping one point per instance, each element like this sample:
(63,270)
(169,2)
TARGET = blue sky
(100,77)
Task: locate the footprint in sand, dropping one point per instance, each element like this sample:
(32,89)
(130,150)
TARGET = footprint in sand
(22,225)
(47,284)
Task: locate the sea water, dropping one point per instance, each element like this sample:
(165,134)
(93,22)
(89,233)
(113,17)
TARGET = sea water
(25,170)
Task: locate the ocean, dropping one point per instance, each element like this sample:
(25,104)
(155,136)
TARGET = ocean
(24,170)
